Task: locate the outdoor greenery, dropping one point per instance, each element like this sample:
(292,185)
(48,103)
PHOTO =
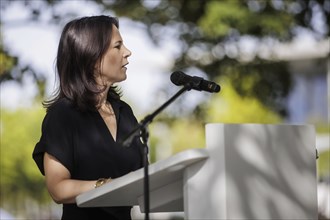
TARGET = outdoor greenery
(323,165)
(20,177)
(209,32)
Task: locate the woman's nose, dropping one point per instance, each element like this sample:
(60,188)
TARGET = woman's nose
(127,53)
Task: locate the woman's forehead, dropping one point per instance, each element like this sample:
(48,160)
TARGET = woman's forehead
(115,35)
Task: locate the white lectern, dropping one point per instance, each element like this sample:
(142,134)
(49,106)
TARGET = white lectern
(246,171)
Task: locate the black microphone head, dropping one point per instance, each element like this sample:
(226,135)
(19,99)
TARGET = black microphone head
(216,88)
(194,82)
(209,86)
(178,78)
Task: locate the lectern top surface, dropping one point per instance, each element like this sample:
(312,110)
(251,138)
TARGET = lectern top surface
(126,190)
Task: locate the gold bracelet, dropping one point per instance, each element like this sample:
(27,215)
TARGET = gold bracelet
(100,182)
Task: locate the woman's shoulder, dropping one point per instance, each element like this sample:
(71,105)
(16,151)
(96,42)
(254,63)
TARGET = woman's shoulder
(122,104)
(61,104)
(61,115)
(62,108)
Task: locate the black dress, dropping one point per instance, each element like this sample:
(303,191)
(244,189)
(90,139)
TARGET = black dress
(82,142)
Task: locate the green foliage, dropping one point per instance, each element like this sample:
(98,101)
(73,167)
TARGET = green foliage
(223,16)
(187,133)
(229,107)
(323,164)
(269,83)
(7,62)
(258,18)
(20,177)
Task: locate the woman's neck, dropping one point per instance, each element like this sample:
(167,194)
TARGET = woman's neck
(103,97)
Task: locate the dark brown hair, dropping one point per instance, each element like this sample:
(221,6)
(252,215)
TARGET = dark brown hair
(82,45)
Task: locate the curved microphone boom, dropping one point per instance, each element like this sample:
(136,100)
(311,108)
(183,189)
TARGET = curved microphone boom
(180,79)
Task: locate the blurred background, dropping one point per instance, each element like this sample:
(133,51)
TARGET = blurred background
(271,58)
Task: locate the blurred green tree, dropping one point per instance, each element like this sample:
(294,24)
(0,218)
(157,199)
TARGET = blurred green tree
(12,70)
(20,177)
(230,107)
(7,62)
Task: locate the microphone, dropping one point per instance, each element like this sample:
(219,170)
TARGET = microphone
(179,78)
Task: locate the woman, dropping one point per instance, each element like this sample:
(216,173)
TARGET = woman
(78,149)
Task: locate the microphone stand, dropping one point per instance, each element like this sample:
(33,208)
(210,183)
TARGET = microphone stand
(142,132)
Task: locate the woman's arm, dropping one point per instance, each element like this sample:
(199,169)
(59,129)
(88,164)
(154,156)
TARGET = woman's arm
(61,187)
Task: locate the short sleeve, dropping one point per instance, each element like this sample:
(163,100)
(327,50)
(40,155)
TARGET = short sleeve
(57,137)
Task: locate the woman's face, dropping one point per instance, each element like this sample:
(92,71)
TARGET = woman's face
(113,63)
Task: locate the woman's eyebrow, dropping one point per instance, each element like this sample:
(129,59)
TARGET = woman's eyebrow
(118,42)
